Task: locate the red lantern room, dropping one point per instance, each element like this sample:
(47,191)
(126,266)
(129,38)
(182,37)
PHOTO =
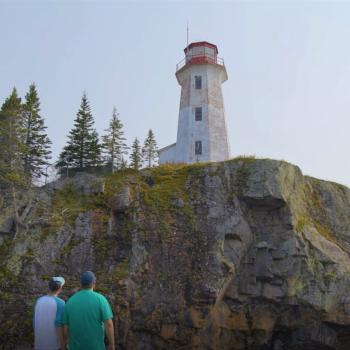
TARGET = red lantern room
(200,52)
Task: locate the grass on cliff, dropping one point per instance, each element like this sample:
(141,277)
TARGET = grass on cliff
(67,203)
(162,190)
(157,190)
(165,195)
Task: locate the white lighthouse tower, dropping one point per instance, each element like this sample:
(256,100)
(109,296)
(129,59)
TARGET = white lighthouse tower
(202,134)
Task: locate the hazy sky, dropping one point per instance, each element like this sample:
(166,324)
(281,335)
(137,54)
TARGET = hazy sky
(288,93)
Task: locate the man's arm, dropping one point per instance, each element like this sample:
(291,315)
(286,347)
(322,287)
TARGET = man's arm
(59,322)
(65,335)
(109,327)
(61,337)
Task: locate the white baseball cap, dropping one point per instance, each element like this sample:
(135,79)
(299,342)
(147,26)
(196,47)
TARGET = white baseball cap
(59,279)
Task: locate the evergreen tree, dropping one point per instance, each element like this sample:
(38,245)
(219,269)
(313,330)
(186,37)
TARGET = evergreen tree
(83,148)
(37,144)
(136,155)
(94,151)
(11,137)
(150,150)
(64,161)
(12,146)
(113,142)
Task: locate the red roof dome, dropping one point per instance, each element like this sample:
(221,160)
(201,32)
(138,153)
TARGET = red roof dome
(201,44)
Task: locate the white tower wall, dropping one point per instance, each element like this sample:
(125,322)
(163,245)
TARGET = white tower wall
(211,130)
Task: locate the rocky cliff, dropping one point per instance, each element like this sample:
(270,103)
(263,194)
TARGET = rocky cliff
(246,254)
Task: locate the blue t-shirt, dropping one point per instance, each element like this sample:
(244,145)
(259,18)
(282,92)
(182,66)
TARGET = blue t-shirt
(48,314)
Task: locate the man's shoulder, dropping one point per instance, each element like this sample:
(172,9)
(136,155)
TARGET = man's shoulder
(84,295)
(104,306)
(59,300)
(74,297)
(100,296)
(42,299)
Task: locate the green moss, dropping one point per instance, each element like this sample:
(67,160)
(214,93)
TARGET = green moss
(67,204)
(27,326)
(8,280)
(325,232)
(315,214)
(295,285)
(314,199)
(44,233)
(74,241)
(159,189)
(164,195)
(305,220)
(330,277)
(7,296)
(116,181)
(244,158)
(101,245)
(122,270)
(241,177)
(29,254)
(5,247)
(301,222)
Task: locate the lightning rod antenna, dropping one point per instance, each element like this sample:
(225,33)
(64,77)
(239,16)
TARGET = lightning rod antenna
(187,33)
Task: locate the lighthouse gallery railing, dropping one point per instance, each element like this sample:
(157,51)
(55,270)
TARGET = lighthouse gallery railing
(199,59)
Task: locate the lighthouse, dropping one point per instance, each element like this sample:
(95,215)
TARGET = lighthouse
(202,133)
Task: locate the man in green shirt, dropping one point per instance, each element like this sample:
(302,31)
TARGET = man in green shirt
(87,316)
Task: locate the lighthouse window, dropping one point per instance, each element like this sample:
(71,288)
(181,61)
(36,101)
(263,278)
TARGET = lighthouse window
(198,82)
(198,147)
(198,114)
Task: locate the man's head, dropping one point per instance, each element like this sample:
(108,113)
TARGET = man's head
(88,280)
(55,284)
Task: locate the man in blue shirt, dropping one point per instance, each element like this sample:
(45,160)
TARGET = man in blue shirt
(48,326)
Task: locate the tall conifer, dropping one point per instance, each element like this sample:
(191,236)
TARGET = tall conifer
(136,155)
(150,150)
(37,144)
(12,146)
(94,151)
(83,148)
(11,138)
(114,146)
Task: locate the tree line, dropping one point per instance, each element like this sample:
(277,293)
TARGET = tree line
(85,149)
(26,148)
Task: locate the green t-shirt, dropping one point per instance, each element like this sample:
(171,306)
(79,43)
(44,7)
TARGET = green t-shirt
(84,315)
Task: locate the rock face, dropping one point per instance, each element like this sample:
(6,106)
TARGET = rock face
(246,254)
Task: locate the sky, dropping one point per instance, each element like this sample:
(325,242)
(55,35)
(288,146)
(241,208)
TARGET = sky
(288,63)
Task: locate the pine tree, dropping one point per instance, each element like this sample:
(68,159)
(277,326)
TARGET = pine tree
(65,161)
(12,146)
(94,151)
(113,142)
(11,137)
(149,150)
(136,155)
(37,144)
(83,148)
